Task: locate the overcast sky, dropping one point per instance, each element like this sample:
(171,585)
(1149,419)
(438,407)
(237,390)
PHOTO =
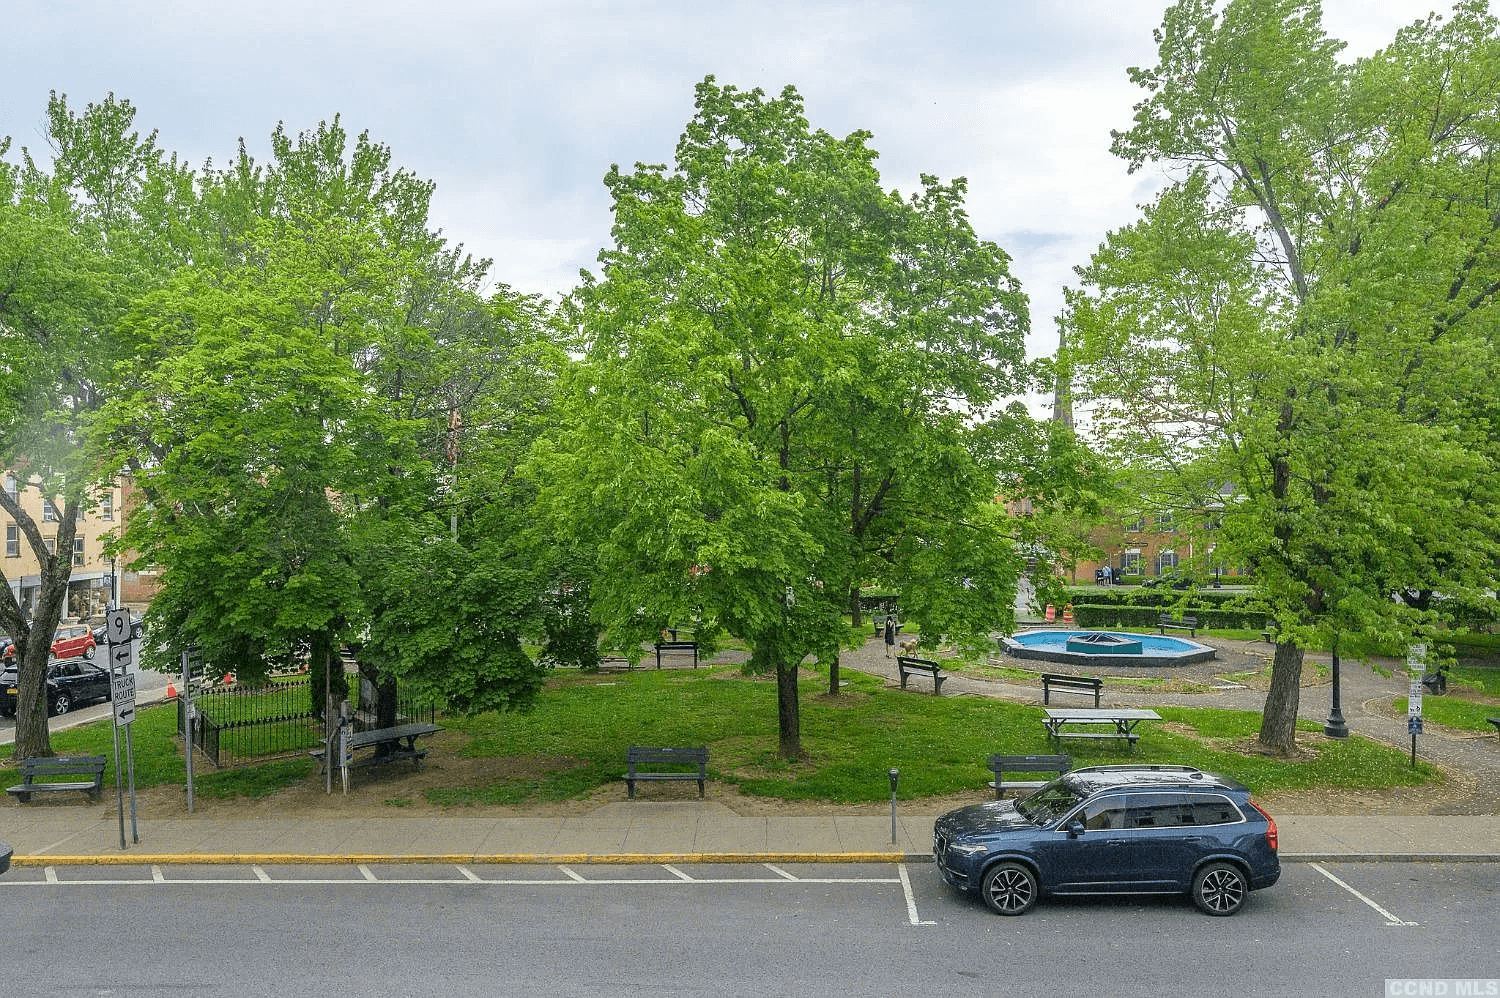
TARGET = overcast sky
(516,109)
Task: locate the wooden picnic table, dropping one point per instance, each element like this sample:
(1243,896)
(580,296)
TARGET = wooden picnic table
(1122,720)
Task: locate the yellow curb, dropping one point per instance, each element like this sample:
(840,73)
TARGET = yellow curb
(289,859)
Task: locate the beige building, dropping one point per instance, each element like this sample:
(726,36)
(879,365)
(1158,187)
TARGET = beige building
(95,584)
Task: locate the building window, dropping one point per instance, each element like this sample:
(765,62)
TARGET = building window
(78,551)
(51,543)
(10,483)
(1130,562)
(1164,524)
(1165,562)
(107,506)
(12,541)
(1136,526)
(49,511)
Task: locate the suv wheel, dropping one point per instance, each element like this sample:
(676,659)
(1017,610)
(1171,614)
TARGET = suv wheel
(1219,889)
(1009,889)
(62,704)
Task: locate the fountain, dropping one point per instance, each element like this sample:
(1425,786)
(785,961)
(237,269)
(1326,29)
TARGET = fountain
(1105,648)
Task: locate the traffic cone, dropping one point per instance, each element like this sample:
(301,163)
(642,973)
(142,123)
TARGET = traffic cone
(171,692)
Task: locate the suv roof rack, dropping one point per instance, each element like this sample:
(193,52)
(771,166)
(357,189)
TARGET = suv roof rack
(1190,771)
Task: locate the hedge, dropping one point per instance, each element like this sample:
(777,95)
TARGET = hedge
(1093,615)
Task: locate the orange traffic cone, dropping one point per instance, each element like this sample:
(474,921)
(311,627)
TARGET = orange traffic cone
(1051,613)
(1068,614)
(171,692)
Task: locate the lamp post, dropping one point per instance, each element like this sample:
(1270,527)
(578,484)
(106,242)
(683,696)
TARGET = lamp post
(1335,726)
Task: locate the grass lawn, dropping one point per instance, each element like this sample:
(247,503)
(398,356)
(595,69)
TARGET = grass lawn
(583,724)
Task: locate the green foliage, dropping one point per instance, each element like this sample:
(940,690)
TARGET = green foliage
(1306,309)
(767,416)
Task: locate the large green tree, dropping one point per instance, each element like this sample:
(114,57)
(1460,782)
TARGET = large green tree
(294,425)
(791,386)
(1307,313)
(82,229)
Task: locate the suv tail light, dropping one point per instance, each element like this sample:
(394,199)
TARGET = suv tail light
(1272,839)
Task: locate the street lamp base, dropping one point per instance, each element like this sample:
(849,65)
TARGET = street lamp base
(1335,727)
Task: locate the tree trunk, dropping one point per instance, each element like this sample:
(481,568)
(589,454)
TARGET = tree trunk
(833,676)
(787,714)
(1278,724)
(33,739)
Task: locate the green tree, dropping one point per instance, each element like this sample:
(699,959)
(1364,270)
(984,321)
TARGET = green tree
(294,427)
(1307,312)
(79,235)
(791,386)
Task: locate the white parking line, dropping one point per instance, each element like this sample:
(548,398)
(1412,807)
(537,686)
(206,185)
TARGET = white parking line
(1389,918)
(778,871)
(911,900)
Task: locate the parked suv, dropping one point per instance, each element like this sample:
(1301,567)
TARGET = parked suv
(1113,830)
(69,685)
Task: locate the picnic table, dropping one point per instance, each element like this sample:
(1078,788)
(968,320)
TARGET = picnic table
(1122,721)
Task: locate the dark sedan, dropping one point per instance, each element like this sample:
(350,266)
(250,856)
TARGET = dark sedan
(1113,830)
(69,685)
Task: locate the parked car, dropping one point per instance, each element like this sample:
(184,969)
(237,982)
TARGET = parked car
(68,641)
(1113,830)
(69,685)
(73,640)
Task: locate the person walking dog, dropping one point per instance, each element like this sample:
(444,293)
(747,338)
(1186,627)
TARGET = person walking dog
(890,633)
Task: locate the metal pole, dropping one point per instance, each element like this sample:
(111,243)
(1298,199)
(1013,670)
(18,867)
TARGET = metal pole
(187,726)
(135,834)
(895,775)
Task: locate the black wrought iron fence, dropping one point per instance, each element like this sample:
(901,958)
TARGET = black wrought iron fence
(241,726)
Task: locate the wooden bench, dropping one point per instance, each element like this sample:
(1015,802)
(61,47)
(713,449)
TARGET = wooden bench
(91,766)
(691,646)
(906,666)
(645,755)
(390,737)
(1071,684)
(1002,764)
(1188,623)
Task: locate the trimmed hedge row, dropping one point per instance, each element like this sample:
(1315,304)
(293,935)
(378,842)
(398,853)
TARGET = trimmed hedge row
(1224,618)
(1125,596)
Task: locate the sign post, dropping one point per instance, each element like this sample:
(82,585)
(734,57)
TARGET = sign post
(122,699)
(1416,666)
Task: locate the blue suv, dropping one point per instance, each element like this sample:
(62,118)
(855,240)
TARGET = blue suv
(1113,830)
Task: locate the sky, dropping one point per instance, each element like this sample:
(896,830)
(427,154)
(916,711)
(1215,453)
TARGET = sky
(516,109)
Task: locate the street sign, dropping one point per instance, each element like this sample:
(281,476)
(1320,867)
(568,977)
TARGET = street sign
(122,695)
(1414,725)
(121,658)
(117,627)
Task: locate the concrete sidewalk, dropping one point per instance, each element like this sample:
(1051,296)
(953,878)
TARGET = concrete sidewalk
(636,831)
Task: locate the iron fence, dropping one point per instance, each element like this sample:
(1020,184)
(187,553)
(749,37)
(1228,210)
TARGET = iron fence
(242,726)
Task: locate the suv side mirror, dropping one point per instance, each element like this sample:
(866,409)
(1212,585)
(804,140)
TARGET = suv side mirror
(1075,828)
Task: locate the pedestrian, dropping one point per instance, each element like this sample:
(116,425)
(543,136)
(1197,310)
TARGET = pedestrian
(890,633)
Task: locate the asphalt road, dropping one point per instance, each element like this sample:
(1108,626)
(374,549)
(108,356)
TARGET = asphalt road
(878,929)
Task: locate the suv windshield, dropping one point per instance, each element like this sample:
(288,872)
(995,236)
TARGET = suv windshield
(1049,803)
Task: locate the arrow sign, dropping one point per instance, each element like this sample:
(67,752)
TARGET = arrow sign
(122,695)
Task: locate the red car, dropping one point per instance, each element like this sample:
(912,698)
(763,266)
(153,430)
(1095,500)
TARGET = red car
(70,641)
(73,640)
